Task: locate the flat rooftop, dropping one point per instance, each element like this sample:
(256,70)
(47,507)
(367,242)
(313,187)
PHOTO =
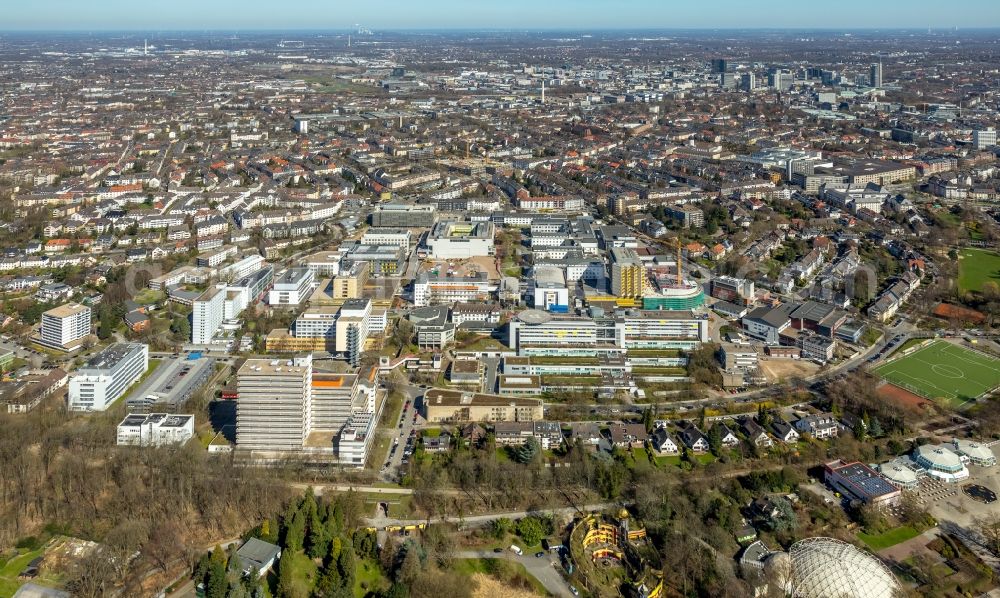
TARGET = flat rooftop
(270,367)
(437,397)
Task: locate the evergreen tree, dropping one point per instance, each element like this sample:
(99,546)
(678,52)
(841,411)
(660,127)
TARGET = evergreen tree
(295,532)
(217,586)
(286,578)
(345,563)
(319,539)
(648,420)
(329,581)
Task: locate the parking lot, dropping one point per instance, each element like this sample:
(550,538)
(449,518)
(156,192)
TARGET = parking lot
(173,382)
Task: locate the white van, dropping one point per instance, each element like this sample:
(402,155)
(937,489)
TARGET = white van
(516,549)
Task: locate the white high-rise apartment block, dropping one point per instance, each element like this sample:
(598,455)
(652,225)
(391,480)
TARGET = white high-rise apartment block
(274,409)
(65,326)
(207,315)
(984,138)
(107,376)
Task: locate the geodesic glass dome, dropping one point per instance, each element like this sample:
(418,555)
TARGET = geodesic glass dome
(829,568)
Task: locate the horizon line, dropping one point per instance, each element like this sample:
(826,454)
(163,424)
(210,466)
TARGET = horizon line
(950,28)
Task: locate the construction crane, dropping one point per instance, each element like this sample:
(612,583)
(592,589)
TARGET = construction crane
(680,281)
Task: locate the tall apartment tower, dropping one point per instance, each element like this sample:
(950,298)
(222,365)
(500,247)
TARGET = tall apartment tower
(628,274)
(64,327)
(274,409)
(207,315)
(875,75)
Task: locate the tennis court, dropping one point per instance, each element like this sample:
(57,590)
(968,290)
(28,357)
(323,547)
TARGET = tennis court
(943,371)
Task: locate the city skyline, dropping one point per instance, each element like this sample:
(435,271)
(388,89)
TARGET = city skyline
(118,15)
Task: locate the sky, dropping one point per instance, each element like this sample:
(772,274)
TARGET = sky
(147,15)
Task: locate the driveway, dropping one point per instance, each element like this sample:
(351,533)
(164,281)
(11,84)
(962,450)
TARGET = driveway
(542,568)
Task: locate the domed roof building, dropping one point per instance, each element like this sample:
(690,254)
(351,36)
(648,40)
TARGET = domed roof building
(829,568)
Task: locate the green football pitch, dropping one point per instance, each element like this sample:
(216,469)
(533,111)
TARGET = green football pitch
(944,372)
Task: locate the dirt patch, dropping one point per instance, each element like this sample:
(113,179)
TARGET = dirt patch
(903,397)
(777,370)
(914,546)
(487,587)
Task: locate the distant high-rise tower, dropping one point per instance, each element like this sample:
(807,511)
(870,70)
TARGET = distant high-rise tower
(749,81)
(543,91)
(145,47)
(720,65)
(875,75)
(780,80)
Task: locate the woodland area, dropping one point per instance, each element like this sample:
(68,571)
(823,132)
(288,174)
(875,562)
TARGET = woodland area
(61,475)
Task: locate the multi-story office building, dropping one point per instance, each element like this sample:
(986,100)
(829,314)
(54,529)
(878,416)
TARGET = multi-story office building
(687,216)
(875,75)
(628,273)
(404,215)
(65,327)
(242,268)
(984,138)
(324,263)
(208,313)
(316,322)
(454,406)
(274,409)
(292,287)
(356,438)
(734,290)
(349,283)
(155,429)
(430,289)
(399,237)
(661,330)
(534,332)
(461,240)
(254,286)
(106,376)
(352,328)
(382,260)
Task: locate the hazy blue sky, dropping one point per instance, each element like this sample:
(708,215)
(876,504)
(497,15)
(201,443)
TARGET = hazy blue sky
(521,14)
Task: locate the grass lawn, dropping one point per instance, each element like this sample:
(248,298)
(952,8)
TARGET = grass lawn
(147,296)
(640,455)
(367,578)
(9,583)
(672,460)
(944,372)
(976,267)
(499,569)
(304,571)
(887,539)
